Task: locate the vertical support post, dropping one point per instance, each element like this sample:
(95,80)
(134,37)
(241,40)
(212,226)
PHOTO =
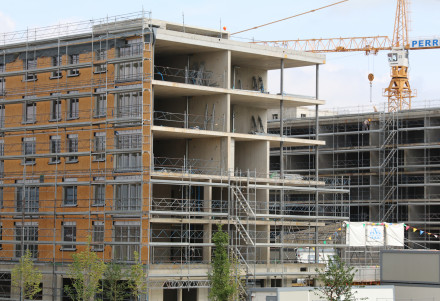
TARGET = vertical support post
(317,166)
(282,155)
(281,119)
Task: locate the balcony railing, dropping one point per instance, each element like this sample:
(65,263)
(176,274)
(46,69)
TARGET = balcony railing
(198,77)
(191,121)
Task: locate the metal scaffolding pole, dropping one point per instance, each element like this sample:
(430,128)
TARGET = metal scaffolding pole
(317,165)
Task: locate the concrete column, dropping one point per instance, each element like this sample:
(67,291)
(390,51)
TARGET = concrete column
(207,239)
(317,165)
(281,119)
(179,294)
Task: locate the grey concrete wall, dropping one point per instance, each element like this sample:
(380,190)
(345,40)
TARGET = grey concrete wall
(209,151)
(197,109)
(243,118)
(244,75)
(252,155)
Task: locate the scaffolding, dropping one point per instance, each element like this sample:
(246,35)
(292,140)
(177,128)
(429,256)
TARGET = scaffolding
(390,160)
(89,147)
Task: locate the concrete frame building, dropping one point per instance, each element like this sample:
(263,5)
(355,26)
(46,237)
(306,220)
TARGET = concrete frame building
(144,135)
(389,162)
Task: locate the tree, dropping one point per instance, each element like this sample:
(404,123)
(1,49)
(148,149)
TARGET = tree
(115,288)
(26,277)
(221,274)
(86,272)
(137,280)
(337,280)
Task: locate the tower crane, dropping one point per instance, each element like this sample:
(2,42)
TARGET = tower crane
(398,92)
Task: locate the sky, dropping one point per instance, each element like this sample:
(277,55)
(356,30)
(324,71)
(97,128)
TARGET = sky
(343,79)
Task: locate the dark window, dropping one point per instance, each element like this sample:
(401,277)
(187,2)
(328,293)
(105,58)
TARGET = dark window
(99,195)
(69,235)
(31,199)
(127,234)
(26,235)
(70,195)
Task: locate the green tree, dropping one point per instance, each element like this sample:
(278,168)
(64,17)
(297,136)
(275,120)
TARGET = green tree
(337,280)
(86,272)
(221,274)
(137,279)
(115,287)
(26,277)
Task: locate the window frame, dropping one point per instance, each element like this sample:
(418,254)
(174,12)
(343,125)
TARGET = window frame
(73,202)
(28,233)
(71,226)
(126,233)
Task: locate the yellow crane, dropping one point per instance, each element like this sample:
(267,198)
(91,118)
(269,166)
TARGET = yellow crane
(398,92)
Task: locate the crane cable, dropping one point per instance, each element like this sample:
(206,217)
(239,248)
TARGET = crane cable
(310,11)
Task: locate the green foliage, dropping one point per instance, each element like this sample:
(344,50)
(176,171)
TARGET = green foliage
(137,280)
(221,276)
(115,288)
(26,277)
(337,281)
(86,271)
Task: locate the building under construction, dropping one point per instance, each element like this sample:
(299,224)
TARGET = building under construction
(144,135)
(389,160)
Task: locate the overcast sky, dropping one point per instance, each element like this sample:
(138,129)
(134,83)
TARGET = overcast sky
(343,78)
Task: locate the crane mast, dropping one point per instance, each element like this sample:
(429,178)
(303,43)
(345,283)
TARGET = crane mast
(399,91)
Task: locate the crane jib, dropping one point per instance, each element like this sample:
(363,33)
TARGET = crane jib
(425,43)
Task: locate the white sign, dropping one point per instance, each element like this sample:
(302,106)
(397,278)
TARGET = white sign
(422,43)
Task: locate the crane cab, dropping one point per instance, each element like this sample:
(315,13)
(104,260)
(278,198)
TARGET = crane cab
(398,57)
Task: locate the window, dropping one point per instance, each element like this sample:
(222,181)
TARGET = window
(128,197)
(100,109)
(70,196)
(129,105)
(73,107)
(55,110)
(126,234)
(131,71)
(72,147)
(101,68)
(31,199)
(2,86)
(128,161)
(69,235)
(56,62)
(29,112)
(99,146)
(28,234)
(73,60)
(98,236)
(99,195)
(133,47)
(28,145)
(101,55)
(55,148)
(2,153)
(30,64)
(130,140)
(2,68)
(274,116)
(2,115)
(1,198)
(303,115)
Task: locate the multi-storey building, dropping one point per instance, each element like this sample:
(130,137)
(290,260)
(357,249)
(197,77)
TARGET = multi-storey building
(143,135)
(389,161)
